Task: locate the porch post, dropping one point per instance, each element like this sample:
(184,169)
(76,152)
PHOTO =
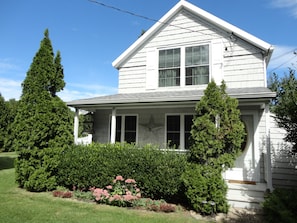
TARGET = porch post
(113,126)
(268,149)
(76,124)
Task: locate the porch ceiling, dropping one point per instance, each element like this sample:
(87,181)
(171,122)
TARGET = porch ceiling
(244,95)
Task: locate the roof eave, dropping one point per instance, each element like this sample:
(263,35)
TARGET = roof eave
(181,99)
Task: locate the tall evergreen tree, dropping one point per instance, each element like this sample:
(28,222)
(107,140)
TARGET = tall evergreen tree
(3,121)
(11,108)
(43,119)
(217,133)
(217,130)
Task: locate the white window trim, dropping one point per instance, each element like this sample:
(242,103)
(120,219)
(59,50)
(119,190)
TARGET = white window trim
(181,147)
(183,66)
(123,126)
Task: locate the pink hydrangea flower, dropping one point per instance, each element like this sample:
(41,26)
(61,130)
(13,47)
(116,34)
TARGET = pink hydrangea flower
(119,178)
(109,187)
(129,197)
(117,197)
(130,181)
(100,194)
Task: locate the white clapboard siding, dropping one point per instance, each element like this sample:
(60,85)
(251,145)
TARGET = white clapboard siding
(284,164)
(235,61)
(284,171)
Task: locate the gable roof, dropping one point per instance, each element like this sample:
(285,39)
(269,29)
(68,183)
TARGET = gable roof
(183,4)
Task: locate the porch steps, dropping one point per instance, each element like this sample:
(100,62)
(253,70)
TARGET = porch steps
(246,195)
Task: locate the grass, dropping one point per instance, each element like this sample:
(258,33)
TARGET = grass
(18,205)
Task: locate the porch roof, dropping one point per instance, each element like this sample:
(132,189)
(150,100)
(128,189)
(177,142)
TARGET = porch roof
(167,97)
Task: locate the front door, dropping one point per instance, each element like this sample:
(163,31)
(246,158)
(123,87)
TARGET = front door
(244,168)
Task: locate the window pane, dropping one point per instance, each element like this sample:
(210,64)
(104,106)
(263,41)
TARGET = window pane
(188,127)
(173,131)
(197,75)
(188,122)
(130,129)
(169,77)
(169,58)
(118,128)
(173,123)
(173,140)
(161,59)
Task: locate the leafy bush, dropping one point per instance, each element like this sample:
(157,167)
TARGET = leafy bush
(156,172)
(281,206)
(36,169)
(205,189)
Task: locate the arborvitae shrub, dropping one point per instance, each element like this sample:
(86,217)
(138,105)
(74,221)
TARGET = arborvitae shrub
(205,189)
(36,169)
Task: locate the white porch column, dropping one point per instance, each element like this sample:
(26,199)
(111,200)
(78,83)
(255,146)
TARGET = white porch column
(76,124)
(113,126)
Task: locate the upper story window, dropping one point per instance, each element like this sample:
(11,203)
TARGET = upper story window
(197,65)
(184,66)
(169,67)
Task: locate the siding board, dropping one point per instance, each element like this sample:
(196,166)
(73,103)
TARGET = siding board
(238,70)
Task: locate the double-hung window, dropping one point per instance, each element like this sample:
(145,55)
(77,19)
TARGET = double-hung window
(197,65)
(178,131)
(169,67)
(126,128)
(184,66)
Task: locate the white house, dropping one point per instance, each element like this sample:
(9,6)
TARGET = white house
(162,76)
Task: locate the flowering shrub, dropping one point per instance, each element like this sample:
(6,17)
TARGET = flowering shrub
(120,193)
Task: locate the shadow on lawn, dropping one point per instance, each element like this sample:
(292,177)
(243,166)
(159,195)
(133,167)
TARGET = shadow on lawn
(243,216)
(6,162)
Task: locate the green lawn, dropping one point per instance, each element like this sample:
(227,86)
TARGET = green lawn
(17,205)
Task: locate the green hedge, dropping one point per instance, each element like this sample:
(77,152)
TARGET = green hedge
(158,173)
